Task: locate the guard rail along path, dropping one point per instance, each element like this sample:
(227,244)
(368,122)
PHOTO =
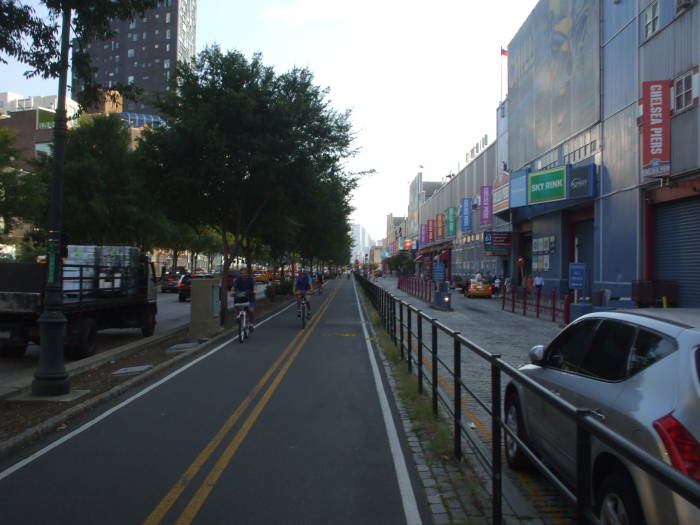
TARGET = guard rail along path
(415,333)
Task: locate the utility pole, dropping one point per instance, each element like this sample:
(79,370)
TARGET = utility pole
(51,378)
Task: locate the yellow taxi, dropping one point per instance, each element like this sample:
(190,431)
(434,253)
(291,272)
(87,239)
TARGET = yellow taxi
(261,277)
(479,289)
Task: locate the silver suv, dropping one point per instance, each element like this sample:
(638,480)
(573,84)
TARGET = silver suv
(639,371)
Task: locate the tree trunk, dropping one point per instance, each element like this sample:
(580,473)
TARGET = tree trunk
(176,254)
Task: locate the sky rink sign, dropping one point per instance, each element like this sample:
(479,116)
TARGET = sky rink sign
(547,185)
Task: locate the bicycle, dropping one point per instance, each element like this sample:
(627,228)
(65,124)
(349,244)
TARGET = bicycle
(241,302)
(302,308)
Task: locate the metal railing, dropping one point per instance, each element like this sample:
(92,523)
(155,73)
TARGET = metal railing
(405,324)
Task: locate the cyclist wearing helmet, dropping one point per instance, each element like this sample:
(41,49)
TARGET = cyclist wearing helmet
(302,290)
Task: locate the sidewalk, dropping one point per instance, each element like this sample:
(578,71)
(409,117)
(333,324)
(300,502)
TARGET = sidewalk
(483,322)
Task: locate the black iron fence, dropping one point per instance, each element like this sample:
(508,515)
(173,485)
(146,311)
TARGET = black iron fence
(415,333)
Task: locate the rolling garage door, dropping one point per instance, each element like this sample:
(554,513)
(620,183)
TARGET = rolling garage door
(678,247)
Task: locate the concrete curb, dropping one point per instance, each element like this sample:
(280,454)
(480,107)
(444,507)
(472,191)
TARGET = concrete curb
(90,363)
(19,441)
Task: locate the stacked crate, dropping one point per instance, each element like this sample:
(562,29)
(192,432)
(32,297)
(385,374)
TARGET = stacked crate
(100,270)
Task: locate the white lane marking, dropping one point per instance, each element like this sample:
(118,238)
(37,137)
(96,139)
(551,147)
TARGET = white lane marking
(21,464)
(408,498)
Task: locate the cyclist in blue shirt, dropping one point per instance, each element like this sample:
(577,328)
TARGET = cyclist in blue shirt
(302,290)
(243,286)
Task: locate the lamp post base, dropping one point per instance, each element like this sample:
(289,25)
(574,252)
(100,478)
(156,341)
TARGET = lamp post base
(51,378)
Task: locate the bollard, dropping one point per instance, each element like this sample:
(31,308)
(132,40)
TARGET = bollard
(554,306)
(512,299)
(524,301)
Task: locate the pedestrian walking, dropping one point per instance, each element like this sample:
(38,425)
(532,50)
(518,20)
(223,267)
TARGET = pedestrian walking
(497,285)
(539,282)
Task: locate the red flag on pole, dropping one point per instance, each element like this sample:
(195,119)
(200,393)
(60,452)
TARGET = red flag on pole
(504,52)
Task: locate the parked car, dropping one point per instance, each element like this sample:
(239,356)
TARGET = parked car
(479,289)
(169,282)
(184,288)
(639,371)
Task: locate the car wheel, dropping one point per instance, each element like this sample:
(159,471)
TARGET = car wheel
(516,458)
(148,323)
(86,341)
(617,500)
(14,351)
(181,298)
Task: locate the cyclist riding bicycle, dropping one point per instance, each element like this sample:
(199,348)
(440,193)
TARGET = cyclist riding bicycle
(244,291)
(302,291)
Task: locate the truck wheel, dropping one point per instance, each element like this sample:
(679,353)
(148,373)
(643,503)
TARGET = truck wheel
(14,351)
(148,326)
(87,339)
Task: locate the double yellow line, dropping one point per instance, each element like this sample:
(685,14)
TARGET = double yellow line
(290,353)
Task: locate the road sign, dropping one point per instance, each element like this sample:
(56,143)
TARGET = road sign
(439,272)
(577,276)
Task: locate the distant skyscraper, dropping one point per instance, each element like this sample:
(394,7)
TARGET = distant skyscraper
(144,50)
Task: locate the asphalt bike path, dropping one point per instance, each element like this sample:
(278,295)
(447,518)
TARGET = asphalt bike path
(288,427)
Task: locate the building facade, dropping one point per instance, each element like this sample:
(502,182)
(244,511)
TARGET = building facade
(145,50)
(596,164)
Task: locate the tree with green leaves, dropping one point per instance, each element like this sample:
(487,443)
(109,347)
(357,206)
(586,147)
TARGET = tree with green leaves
(242,142)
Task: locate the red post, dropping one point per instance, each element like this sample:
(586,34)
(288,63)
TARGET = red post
(512,298)
(524,301)
(554,306)
(537,301)
(503,299)
(567,308)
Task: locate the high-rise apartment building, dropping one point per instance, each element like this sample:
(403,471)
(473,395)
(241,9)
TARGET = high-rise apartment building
(144,51)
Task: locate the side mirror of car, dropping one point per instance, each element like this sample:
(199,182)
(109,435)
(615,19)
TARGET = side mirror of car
(536,354)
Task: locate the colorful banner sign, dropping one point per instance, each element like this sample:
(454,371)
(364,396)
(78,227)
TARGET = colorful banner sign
(431,230)
(451,213)
(656,130)
(547,186)
(501,192)
(486,208)
(440,226)
(466,214)
(423,234)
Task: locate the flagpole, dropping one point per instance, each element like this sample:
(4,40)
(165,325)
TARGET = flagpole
(500,80)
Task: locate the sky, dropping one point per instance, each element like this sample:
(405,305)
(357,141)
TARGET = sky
(423,79)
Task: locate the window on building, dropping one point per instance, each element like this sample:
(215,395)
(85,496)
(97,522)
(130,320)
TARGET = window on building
(683,87)
(132,24)
(651,19)
(136,63)
(144,35)
(155,46)
(130,80)
(167,47)
(166,63)
(167,18)
(116,58)
(135,37)
(157,32)
(167,34)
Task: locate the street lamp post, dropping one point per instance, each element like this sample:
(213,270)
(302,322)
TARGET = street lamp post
(51,378)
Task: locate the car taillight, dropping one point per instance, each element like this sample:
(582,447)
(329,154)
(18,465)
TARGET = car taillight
(682,447)
(181,284)
(490,288)
(170,279)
